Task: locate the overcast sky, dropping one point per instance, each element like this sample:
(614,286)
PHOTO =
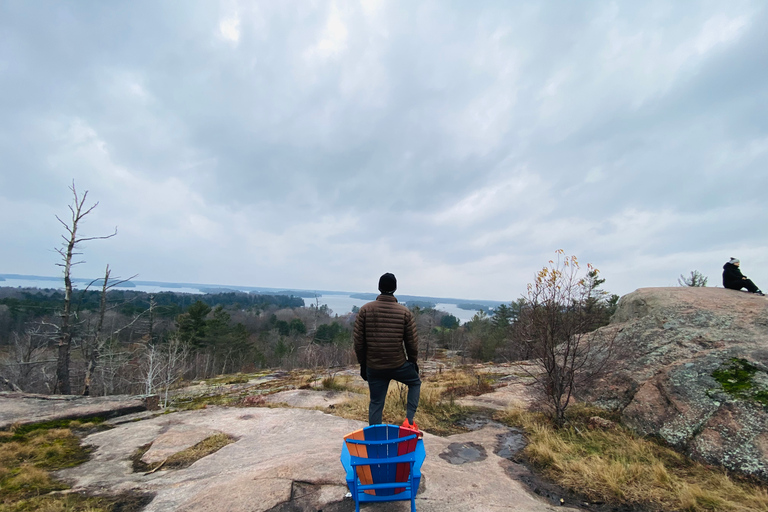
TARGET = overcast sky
(316,145)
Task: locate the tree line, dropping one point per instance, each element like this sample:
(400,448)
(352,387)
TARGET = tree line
(127,341)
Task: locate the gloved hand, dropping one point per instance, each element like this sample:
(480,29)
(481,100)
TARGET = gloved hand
(364,372)
(416,366)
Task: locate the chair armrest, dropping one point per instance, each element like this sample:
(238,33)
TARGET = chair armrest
(421,454)
(346,461)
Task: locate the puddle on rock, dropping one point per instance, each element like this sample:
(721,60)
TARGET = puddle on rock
(477,422)
(461,453)
(510,443)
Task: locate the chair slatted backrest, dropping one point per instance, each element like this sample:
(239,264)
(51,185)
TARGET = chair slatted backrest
(382,442)
(404,470)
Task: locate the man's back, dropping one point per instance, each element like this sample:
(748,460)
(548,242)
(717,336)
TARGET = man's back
(381,329)
(384,332)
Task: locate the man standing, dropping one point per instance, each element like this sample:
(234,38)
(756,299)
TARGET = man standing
(735,280)
(387,348)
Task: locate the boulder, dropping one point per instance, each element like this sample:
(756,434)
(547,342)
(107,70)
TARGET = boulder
(692,369)
(306,399)
(25,408)
(516,394)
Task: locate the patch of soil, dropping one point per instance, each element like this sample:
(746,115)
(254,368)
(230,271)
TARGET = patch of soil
(131,502)
(136,463)
(304,498)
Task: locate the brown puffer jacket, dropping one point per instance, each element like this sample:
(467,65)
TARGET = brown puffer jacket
(381,329)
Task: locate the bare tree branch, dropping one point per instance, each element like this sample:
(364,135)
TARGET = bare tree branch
(78,213)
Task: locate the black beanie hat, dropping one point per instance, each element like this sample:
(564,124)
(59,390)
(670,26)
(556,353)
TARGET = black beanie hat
(387,283)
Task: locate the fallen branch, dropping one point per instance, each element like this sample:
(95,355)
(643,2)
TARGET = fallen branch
(157,468)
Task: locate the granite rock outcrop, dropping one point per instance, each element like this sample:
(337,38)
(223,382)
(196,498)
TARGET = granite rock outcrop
(692,369)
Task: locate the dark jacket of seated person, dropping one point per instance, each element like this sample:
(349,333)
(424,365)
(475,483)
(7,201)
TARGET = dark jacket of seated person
(735,280)
(732,277)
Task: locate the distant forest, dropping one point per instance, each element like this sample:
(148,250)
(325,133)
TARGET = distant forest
(35,303)
(127,341)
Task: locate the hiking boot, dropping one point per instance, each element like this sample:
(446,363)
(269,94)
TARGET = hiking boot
(412,426)
(758,292)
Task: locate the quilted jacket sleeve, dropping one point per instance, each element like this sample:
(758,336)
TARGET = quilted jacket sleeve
(359,337)
(411,338)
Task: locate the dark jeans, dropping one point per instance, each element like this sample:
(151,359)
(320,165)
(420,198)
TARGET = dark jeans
(745,283)
(378,383)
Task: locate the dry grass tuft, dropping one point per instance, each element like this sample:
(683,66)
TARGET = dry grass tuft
(74,502)
(26,480)
(465,383)
(338,383)
(29,452)
(618,466)
(207,446)
(47,449)
(184,458)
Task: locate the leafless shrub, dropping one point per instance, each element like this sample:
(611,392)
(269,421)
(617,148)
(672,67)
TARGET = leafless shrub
(554,324)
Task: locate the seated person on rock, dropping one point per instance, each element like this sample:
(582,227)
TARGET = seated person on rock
(733,279)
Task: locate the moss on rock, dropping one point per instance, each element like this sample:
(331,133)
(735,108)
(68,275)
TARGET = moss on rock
(737,377)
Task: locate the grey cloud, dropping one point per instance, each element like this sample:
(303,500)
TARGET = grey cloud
(408,116)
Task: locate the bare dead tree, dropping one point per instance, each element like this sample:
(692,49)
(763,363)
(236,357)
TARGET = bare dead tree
(151,367)
(28,355)
(68,252)
(91,350)
(316,314)
(163,364)
(114,367)
(175,357)
(96,340)
(152,306)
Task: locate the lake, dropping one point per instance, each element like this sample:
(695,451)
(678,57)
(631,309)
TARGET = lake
(339,304)
(342,304)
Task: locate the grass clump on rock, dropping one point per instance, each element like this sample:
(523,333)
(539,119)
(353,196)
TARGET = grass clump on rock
(29,453)
(337,383)
(619,467)
(183,458)
(237,378)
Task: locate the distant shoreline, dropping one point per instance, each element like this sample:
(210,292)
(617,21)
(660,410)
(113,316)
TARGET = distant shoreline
(216,288)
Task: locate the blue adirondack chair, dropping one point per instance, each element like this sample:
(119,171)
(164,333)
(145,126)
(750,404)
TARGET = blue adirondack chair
(383,463)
